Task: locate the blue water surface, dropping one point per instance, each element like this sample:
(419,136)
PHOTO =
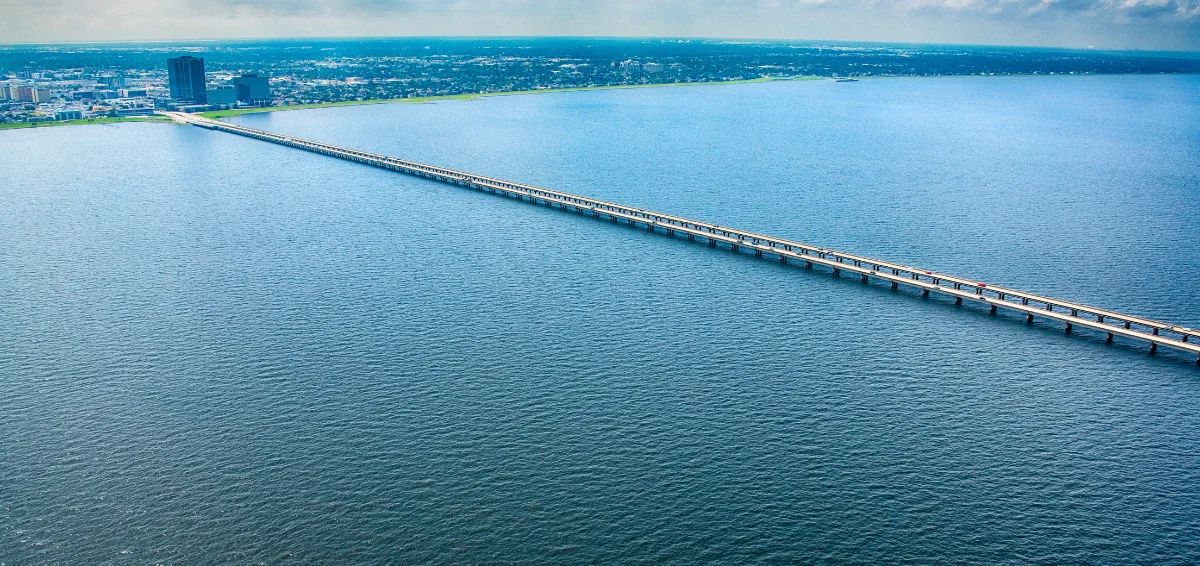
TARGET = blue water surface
(218,350)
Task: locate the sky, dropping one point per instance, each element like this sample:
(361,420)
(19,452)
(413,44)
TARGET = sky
(1103,24)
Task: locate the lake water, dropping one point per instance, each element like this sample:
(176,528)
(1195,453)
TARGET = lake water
(218,350)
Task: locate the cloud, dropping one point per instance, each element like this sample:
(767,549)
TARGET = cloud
(1111,9)
(1114,9)
(1139,24)
(318,7)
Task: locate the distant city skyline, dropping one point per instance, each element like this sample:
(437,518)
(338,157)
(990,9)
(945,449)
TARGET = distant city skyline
(1102,24)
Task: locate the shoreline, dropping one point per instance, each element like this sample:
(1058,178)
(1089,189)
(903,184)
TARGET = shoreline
(86,122)
(218,114)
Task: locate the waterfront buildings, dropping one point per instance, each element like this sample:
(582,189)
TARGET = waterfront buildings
(102,81)
(185,79)
(27,93)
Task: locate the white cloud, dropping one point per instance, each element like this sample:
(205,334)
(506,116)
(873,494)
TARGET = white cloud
(1145,24)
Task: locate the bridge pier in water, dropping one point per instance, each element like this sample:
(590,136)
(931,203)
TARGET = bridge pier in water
(1157,333)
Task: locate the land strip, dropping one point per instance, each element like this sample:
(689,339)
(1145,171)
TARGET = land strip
(216,114)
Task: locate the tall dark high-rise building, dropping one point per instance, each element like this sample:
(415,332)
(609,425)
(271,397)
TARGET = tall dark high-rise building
(185,77)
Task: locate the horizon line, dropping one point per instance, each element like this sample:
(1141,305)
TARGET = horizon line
(4,45)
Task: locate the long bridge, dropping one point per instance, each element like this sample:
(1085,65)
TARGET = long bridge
(1070,314)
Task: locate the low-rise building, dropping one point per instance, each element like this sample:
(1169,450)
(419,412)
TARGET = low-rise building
(221,96)
(136,111)
(68,115)
(115,80)
(193,107)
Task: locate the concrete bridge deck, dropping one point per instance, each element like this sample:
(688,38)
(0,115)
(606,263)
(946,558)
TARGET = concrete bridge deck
(1071,314)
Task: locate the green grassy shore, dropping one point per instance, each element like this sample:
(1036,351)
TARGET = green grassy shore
(84,122)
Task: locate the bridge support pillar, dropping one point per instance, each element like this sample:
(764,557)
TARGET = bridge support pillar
(758,253)
(1028,319)
(1153,348)
(896,286)
(837,272)
(808,265)
(691,237)
(1069,328)
(1109,339)
(864,279)
(993,309)
(783,259)
(924,293)
(712,243)
(957,301)
(1127,325)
